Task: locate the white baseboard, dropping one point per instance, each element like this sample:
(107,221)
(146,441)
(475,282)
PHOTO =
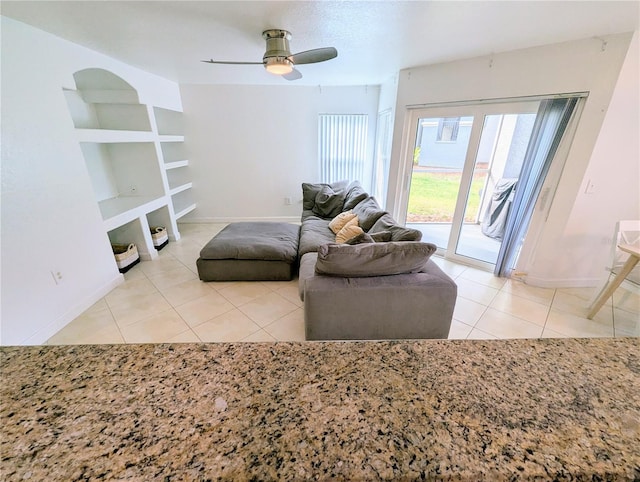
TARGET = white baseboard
(560,282)
(54,327)
(223,220)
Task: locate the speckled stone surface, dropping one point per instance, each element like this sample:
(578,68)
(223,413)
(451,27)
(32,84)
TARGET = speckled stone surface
(446,410)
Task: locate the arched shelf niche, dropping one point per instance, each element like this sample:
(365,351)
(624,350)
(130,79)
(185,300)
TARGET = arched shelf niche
(105,101)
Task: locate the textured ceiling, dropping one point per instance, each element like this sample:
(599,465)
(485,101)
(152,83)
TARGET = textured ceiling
(374,39)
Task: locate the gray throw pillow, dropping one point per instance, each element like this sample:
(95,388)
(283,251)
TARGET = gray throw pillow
(372,259)
(360,238)
(398,232)
(381,237)
(329,202)
(310,191)
(355,194)
(368,213)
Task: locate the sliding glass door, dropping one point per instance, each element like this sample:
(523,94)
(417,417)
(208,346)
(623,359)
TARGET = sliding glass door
(465,162)
(438,160)
(494,178)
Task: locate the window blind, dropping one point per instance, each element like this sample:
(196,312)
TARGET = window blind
(342,146)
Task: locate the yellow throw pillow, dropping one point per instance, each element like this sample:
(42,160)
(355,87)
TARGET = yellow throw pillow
(350,230)
(340,220)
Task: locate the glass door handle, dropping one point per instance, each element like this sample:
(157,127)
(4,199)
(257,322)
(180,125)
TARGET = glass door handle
(544,197)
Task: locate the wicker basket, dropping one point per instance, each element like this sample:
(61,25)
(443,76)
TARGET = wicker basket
(126,256)
(159,236)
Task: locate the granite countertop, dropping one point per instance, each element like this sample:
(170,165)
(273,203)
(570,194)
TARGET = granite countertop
(455,410)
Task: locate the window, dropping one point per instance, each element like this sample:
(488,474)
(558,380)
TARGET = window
(448,129)
(342,146)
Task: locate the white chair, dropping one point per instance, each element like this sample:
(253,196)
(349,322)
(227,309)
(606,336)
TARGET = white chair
(626,232)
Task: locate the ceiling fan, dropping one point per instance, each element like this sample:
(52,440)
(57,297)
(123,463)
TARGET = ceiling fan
(278,59)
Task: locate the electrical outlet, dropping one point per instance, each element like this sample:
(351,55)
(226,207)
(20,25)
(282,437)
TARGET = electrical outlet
(57,276)
(287,201)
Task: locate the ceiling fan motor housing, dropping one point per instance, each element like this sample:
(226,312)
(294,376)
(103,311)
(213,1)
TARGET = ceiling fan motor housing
(278,59)
(277,44)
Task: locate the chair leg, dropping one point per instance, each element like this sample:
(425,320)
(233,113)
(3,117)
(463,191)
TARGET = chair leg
(604,282)
(626,269)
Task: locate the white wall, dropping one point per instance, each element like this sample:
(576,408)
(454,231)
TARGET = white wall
(249,147)
(581,66)
(614,171)
(388,94)
(50,219)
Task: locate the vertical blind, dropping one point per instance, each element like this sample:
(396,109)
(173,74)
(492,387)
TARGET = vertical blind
(342,146)
(551,122)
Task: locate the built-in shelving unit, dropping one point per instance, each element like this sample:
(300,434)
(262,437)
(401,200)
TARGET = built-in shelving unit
(183,203)
(135,157)
(113,136)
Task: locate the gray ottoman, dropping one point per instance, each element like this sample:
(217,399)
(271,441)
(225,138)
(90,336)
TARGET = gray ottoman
(253,251)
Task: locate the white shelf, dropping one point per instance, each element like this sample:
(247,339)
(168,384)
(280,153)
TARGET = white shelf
(120,210)
(176,164)
(181,188)
(170,138)
(185,211)
(111,136)
(108,96)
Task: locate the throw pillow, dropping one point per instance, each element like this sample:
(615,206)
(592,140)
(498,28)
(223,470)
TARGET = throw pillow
(340,220)
(381,237)
(398,233)
(349,230)
(355,194)
(310,191)
(360,238)
(328,203)
(368,212)
(372,259)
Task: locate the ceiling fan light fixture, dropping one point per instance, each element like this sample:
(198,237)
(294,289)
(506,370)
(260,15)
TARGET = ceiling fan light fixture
(278,65)
(278,59)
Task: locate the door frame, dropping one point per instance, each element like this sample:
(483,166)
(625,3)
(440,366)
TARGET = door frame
(478,110)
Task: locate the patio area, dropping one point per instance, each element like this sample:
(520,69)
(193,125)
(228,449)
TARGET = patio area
(472,243)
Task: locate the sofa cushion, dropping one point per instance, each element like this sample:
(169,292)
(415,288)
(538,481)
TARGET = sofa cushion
(350,230)
(398,233)
(368,213)
(372,259)
(355,194)
(314,232)
(340,220)
(310,191)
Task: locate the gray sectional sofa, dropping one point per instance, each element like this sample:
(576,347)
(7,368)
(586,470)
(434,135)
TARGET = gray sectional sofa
(381,284)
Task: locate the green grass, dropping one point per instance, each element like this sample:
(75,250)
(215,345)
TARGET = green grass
(432,197)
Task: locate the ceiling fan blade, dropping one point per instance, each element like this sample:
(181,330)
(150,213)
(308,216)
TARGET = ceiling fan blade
(211,61)
(313,56)
(293,75)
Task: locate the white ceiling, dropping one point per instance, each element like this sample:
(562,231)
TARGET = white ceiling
(375,39)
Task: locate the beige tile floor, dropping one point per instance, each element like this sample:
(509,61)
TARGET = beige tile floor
(164,301)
